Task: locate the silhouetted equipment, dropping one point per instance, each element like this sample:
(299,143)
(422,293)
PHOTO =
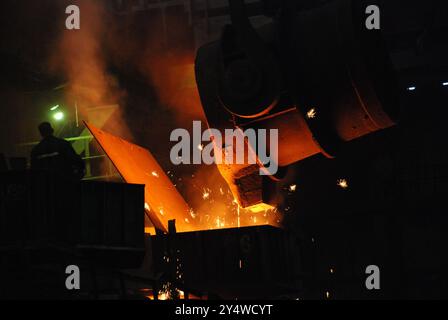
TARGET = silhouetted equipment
(317,75)
(172,226)
(104,220)
(137,165)
(249,262)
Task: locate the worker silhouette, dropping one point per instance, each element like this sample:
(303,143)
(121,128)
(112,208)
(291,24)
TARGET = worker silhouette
(56,155)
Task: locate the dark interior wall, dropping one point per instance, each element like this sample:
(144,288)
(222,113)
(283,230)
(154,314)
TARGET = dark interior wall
(393,214)
(27,34)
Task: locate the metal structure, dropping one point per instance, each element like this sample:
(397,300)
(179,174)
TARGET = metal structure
(250,262)
(47,224)
(136,165)
(83,145)
(317,75)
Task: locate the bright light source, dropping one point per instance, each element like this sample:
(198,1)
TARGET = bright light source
(411,88)
(445,84)
(58,116)
(54,108)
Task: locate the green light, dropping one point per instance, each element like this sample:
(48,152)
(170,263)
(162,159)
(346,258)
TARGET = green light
(54,108)
(58,116)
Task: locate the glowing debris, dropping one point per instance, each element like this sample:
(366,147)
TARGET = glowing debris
(206,194)
(192,213)
(163,296)
(343,183)
(220,223)
(155,174)
(311,114)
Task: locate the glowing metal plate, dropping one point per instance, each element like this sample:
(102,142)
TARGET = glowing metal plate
(137,165)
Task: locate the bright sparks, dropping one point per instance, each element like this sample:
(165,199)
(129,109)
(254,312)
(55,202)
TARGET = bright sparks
(163,296)
(192,213)
(343,183)
(206,194)
(155,174)
(220,223)
(312,113)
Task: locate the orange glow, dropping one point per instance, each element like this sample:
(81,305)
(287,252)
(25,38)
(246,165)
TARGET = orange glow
(150,230)
(260,208)
(136,165)
(164,296)
(217,208)
(206,194)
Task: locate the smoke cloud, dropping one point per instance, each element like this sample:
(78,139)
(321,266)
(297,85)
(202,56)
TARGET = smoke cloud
(81,57)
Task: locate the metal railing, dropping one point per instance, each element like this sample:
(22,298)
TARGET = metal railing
(87,158)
